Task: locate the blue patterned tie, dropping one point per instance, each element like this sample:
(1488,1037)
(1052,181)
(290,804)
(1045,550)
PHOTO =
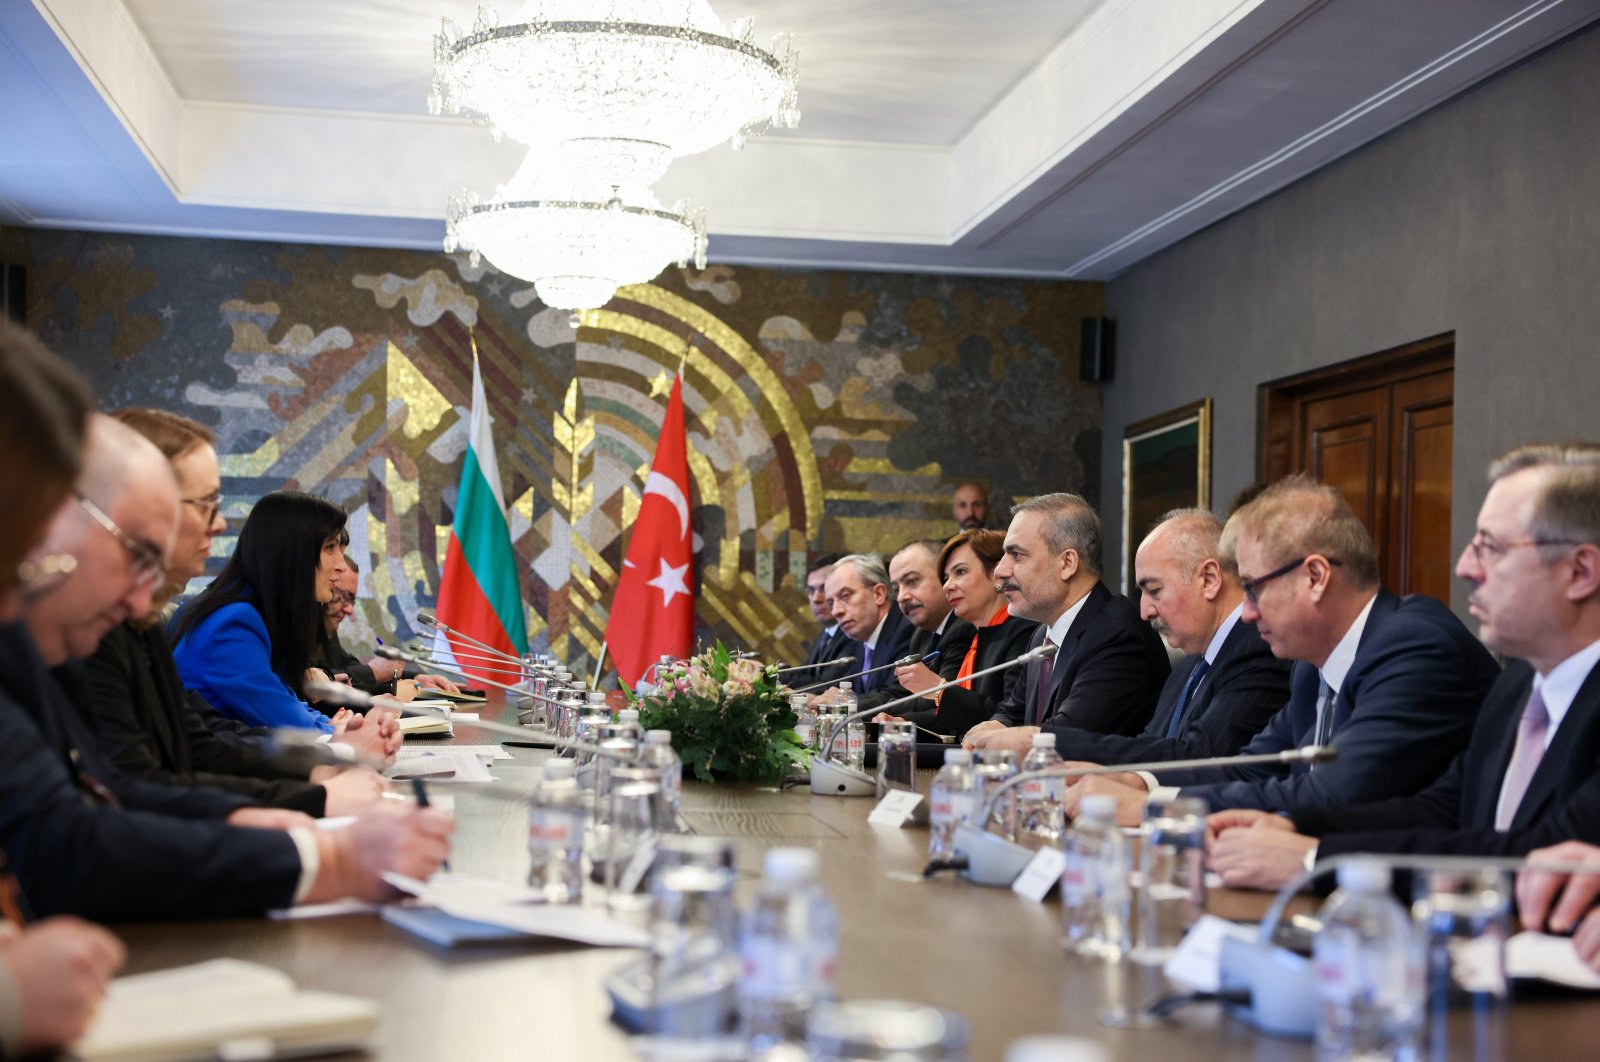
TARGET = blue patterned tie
(866,665)
(1189,687)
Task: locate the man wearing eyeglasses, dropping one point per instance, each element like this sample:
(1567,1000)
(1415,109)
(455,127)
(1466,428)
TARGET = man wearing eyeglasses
(1530,776)
(1394,683)
(375,675)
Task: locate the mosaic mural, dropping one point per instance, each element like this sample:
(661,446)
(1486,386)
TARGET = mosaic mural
(826,410)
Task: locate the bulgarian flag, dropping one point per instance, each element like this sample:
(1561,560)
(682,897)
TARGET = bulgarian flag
(479,594)
(652,613)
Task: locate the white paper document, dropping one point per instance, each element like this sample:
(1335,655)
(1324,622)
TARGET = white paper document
(506,905)
(443,763)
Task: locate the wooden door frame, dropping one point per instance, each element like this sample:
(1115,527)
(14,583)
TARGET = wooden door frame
(1279,419)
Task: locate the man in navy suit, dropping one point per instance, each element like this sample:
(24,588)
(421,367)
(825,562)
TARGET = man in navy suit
(866,612)
(1531,774)
(1394,683)
(1228,685)
(832,642)
(1109,665)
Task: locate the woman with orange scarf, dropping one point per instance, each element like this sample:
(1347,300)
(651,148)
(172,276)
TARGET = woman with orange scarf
(967,565)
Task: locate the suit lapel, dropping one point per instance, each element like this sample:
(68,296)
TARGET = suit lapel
(1172,692)
(1093,602)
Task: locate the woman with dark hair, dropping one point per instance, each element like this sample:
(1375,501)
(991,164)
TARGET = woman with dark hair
(245,643)
(967,565)
(148,726)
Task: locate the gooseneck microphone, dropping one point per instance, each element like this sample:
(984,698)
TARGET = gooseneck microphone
(837,661)
(428,619)
(388,652)
(835,779)
(904,661)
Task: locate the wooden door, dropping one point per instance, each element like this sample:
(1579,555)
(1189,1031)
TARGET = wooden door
(1379,429)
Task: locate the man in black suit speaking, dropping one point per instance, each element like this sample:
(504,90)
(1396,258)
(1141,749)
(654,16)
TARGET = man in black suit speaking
(1228,685)
(1109,665)
(1531,774)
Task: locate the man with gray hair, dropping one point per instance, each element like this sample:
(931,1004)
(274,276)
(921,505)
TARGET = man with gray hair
(1228,685)
(1108,667)
(1394,682)
(865,611)
(1530,776)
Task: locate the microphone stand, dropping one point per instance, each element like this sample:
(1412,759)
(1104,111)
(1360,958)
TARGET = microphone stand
(835,779)
(835,662)
(904,661)
(985,858)
(428,619)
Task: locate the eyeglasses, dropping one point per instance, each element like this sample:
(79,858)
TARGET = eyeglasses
(208,505)
(1252,587)
(1480,544)
(148,563)
(37,577)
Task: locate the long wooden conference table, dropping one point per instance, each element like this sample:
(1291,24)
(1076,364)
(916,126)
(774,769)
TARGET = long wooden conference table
(986,953)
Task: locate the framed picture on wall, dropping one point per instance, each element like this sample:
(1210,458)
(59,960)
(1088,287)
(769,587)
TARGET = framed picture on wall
(1166,464)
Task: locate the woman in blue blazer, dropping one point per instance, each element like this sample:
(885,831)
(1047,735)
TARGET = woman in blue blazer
(245,643)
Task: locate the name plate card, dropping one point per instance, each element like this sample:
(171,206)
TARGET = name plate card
(895,809)
(1042,872)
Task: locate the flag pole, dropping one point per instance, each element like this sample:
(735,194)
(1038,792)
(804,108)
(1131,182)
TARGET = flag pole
(599,665)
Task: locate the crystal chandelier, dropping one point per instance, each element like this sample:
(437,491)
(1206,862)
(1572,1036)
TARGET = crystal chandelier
(649,81)
(578,245)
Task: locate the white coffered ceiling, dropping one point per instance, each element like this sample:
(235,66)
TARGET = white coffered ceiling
(1057,138)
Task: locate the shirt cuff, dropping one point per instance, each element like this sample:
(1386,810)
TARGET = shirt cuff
(1163,793)
(1149,780)
(1311,857)
(310,860)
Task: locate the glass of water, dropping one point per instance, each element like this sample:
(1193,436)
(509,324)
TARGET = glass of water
(1173,873)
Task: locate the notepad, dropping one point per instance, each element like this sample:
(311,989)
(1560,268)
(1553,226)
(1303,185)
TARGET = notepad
(425,725)
(224,1008)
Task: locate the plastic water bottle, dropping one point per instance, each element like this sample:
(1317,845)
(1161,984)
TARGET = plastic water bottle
(952,800)
(555,834)
(659,755)
(805,720)
(846,704)
(1039,799)
(1095,899)
(788,945)
(1368,970)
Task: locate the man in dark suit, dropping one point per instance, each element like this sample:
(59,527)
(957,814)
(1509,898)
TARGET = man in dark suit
(1395,684)
(84,839)
(1530,776)
(919,594)
(880,634)
(1227,686)
(1108,667)
(376,674)
(831,642)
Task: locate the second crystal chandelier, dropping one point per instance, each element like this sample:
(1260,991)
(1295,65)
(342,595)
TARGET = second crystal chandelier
(604,104)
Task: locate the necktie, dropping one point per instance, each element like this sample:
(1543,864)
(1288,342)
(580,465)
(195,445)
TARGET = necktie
(866,665)
(1327,704)
(1041,699)
(1531,731)
(1189,687)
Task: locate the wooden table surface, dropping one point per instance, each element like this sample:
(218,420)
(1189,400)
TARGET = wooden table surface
(986,953)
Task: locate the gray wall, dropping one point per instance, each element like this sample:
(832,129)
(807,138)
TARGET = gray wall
(1481,217)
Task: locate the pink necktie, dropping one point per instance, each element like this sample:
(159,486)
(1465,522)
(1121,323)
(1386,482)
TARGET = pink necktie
(1525,758)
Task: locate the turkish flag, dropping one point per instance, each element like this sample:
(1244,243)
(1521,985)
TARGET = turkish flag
(653,611)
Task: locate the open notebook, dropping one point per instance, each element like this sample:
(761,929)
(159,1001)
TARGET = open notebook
(225,1008)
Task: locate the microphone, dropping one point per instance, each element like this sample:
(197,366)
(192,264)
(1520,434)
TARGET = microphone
(389,652)
(349,697)
(904,661)
(1273,989)
(985,858)
(835,662)
(474,660)
(428,619)
(463,654)
(835,779)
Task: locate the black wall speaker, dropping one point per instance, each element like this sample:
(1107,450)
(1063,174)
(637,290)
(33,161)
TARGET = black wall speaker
(1097,359)
(13,289)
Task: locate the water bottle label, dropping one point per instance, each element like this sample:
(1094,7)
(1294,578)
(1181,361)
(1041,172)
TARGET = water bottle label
(773,969)
(1041,789)
(551,828)
(807,732)
(858,739)
(1074,882)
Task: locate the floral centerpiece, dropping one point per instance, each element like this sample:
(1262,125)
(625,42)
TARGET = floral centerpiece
(729,718)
